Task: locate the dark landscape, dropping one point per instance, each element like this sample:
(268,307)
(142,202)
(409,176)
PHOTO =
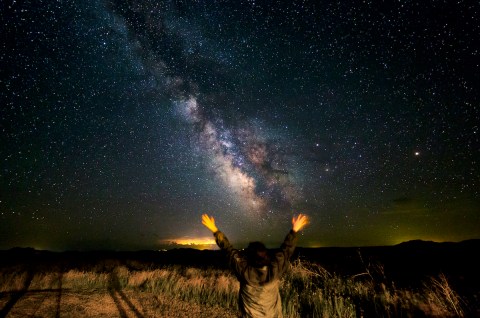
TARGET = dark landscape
(408,265)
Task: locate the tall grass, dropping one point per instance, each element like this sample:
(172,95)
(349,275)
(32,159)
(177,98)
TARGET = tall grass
(205,286)
(307,290)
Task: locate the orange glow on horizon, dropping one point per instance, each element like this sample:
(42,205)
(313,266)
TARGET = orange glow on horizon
(191,241)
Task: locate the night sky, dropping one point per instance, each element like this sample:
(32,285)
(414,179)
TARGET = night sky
(122,121)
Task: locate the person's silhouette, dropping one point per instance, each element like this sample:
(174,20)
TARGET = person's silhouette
(259,272)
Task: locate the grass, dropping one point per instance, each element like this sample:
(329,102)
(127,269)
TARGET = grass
(307,290)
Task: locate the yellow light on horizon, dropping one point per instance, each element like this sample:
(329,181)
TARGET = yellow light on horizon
(190,241)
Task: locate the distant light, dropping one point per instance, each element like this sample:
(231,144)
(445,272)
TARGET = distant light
(190,241)
(417,153)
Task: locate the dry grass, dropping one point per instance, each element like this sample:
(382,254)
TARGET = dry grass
(308,290)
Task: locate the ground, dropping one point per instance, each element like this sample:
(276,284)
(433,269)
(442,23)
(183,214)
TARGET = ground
(103,303)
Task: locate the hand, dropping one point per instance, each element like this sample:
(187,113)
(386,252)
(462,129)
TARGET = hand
(299,222)
(209,222)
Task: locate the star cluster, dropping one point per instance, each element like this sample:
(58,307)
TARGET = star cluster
(123,121)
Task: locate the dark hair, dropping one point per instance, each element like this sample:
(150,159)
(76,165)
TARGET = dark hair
(257,254)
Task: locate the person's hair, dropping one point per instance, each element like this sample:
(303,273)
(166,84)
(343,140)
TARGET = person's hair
(257,254)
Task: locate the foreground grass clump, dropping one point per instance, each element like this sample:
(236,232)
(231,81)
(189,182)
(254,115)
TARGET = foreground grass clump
(310,291)
(307,290)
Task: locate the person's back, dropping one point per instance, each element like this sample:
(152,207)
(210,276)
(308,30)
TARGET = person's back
(261,300)
(258,272)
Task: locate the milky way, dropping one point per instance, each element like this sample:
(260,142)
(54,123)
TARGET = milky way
(225,161)
(244,160)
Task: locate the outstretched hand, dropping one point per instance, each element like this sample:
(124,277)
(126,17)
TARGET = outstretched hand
(299,222)
(209,222)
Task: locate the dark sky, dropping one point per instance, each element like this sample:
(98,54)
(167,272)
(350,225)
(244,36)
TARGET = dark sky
(123,121)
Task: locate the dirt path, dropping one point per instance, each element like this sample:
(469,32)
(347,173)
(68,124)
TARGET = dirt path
(102,303)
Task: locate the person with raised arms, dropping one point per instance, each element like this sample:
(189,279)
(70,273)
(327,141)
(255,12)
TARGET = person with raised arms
(259,270)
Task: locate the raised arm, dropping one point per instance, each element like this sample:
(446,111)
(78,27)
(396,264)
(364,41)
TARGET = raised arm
(299,222)
(234,258)
(290,242)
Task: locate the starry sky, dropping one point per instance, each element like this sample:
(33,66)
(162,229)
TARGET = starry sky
(122,121)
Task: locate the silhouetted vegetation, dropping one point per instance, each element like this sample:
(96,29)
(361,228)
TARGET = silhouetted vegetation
(415,279)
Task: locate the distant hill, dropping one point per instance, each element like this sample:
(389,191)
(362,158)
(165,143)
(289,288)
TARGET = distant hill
(471,242)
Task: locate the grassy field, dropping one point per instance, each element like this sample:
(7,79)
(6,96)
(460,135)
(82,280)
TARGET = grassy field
(131,288)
